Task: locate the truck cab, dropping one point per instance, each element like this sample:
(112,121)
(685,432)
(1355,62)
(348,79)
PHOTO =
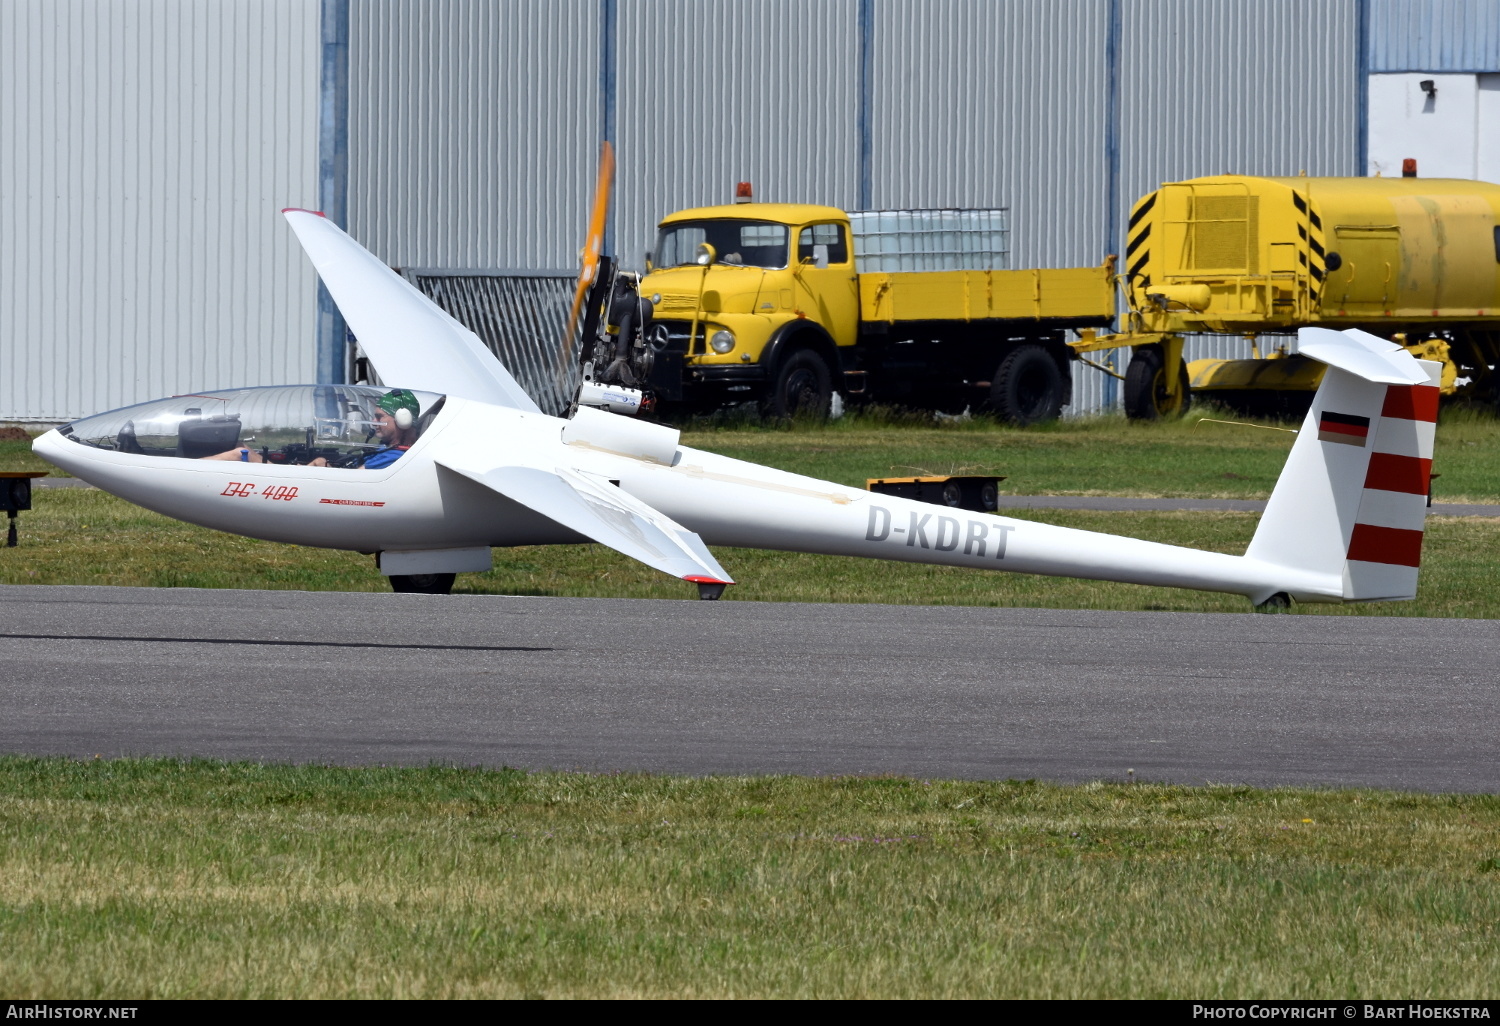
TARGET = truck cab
(753,301)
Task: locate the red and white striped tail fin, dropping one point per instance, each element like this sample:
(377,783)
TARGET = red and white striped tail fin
(1385,546)
(1353,497)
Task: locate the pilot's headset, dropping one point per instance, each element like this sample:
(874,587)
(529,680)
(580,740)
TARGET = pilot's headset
(401,405)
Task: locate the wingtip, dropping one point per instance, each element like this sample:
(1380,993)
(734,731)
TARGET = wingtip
(697,579)
(302,210)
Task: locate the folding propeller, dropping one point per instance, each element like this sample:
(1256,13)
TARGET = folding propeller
(593,249)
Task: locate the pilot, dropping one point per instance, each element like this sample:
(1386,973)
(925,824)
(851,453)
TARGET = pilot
(395,426)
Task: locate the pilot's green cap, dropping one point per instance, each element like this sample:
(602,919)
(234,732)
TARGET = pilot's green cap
(399,399)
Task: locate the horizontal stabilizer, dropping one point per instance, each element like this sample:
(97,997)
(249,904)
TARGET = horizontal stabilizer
(1361,354)
(605,513)
(410,339)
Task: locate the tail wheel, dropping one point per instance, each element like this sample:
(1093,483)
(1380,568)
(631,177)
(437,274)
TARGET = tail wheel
(1146,379)
(803,387)
(1028,386)
(424,584)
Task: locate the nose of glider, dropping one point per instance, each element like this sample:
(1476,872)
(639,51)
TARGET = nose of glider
(54,447)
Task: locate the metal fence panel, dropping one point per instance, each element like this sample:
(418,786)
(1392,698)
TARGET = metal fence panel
(520,316)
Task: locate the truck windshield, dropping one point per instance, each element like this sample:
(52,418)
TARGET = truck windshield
(749,243)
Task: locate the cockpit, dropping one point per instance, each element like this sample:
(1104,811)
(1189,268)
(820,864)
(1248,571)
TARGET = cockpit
(322,425)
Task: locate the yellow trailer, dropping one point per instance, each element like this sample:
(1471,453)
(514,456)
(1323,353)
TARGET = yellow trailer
(1413,259)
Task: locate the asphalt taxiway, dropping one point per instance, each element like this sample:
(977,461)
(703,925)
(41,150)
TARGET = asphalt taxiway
(742,687)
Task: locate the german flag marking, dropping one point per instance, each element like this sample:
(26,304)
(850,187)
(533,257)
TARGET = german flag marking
(1391,473)
(1390,545)
(1344,428)
(1411,402)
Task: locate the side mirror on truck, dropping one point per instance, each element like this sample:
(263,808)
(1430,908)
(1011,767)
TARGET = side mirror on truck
(819,258)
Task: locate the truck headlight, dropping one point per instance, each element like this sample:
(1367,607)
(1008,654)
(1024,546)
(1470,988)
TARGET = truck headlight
(723,341)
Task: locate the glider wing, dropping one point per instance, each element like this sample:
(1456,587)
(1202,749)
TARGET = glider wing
(410,339)
(606,514)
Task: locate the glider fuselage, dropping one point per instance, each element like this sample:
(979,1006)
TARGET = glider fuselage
(420,503)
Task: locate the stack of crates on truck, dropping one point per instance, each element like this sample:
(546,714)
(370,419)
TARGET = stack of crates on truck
(931,240)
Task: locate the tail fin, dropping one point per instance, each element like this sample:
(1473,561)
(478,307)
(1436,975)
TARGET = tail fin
(1353,496)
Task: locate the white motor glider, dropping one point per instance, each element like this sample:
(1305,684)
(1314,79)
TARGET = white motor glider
(431,476)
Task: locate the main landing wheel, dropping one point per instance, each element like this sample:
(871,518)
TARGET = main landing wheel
(424,584)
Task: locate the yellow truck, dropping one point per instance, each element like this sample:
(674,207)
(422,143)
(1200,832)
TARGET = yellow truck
(785,304)
(1413,259)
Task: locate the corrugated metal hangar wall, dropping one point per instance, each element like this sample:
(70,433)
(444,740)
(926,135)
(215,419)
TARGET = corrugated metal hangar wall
(145,147)
(474,132)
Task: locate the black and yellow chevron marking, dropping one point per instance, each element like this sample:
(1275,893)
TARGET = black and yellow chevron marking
(1312,234)
(1136,253)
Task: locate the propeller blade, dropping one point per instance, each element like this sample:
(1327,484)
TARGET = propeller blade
(593,249)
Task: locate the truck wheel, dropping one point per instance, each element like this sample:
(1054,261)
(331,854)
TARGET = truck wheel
(424,584)
(1146,386)
(803,387)
(1028,386)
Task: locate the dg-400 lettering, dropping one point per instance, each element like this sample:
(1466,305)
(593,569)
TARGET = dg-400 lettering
(245,489)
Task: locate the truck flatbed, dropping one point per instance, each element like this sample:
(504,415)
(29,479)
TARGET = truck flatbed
(1063,297)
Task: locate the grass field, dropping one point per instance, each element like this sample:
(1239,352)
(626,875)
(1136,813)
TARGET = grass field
(1196,457)
(166,879)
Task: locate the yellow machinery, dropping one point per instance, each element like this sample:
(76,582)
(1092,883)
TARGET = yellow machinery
(1413,259)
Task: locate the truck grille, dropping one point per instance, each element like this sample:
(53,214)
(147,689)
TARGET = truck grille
(675,334)
(677,302)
